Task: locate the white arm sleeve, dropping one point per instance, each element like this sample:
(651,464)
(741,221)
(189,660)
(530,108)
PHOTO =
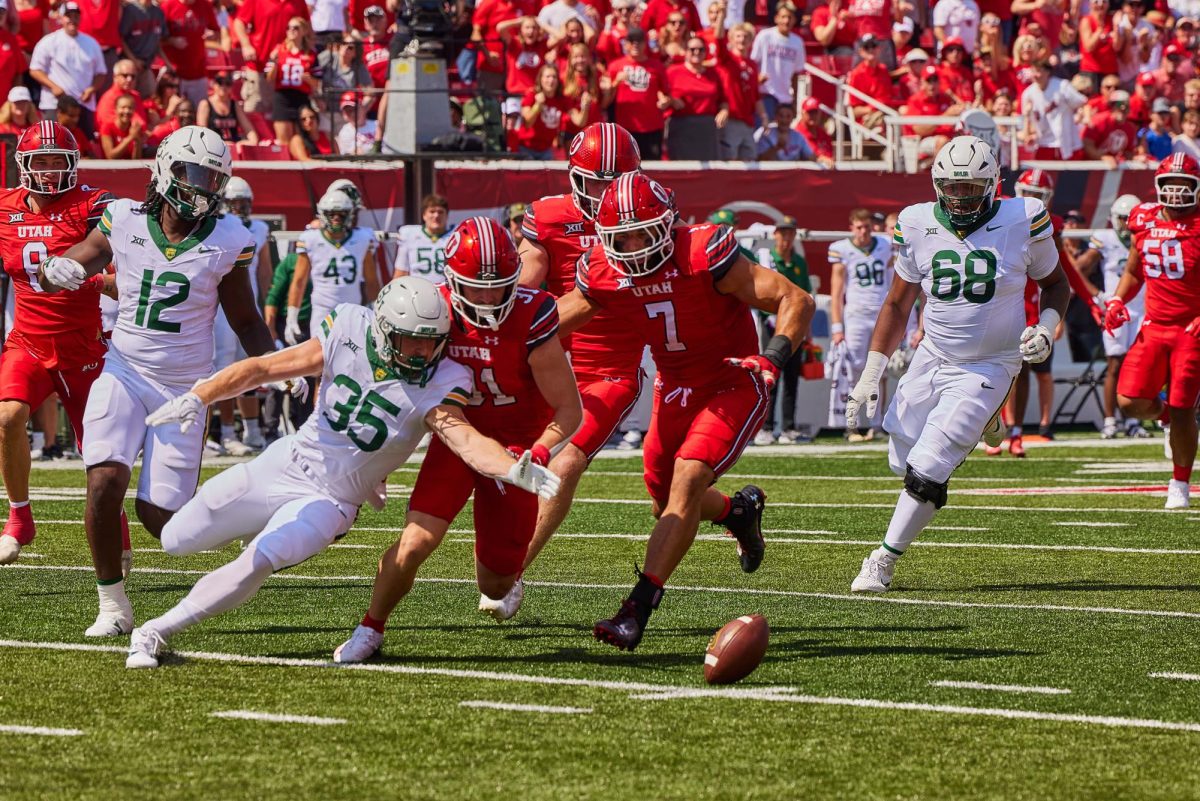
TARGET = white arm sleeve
(1043,258)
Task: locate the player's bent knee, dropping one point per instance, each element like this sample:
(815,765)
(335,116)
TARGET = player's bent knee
(571,460)
(153,518)
(924,489)
(13,417)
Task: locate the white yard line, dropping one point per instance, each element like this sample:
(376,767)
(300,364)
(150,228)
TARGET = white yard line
(827,596)
(40,731)
(1177,676)
(1002,688)
(549,710)
(268,717)
(1086,524)
(645,690)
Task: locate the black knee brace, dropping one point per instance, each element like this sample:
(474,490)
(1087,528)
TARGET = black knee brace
(923,489)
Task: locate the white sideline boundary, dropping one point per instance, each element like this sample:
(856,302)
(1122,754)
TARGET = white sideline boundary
(39,731)
(1002,688)
(642,690)
(548,710)
(268,717)
(825,596)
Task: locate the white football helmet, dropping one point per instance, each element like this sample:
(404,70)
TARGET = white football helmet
(347,187)
(964,177)
(239,198)
(190,171)
(978,123)
(1118,215)
(335,210)
(410,307)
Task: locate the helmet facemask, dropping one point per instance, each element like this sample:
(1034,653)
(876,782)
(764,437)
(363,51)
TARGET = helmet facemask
(482,315)
(194,191)
(52,181)
(389,342)
(1175,195)
(965,200)
(643,260)
(584,185)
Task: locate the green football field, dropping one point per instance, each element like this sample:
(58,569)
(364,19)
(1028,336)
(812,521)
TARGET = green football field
(1041,641)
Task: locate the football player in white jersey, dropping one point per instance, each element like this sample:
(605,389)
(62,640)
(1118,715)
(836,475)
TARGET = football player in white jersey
(383,384)
(970,254)
(860,274)
(422,250)
(1110,250)
(338,258)
(238,202)
(176,261)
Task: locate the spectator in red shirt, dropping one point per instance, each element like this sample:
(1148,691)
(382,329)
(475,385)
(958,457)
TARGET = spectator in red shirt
(811,126)
(834,28)
(543,111)
(1143,98)
(872,79)
(957,77)
(931,101)
(310,141)
(68,113)
(1099,42)
(524,53)
(994,73)
(12,61)
(259,27)
(902,36)
(657,12)
(487,21)
(698,107)
(1171,75)
(908,77)
(672,38)
(609,43)
(18,112)
(124,77)
(183,44)
(637,93)
(125,135)
(1110,136)
(375,45)
(1099,101)
(876,17)
(101,19)
(292,73)
(739,80)
(32,23)
(582,86)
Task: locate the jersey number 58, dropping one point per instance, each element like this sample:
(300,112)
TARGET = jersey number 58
(1167,262)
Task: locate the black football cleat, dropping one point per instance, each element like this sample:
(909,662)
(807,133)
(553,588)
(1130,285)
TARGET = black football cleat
(624,629)
(744,524)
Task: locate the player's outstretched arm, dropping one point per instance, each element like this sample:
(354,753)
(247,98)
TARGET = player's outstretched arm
(241,310)
(486,456)
(535,264)
(80,262)
(556,382)
(574,311)
(768,291)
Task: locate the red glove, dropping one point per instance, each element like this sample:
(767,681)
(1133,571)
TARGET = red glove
(1115,315)
(538,454)
(759,365)
(1193,328)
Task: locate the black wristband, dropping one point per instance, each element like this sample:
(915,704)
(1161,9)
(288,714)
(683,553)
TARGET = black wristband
(778,350)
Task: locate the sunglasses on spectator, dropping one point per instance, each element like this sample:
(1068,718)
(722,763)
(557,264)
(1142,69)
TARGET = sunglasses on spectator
(294,28)
(222,82)
(674,22)
(125,75)
(696,49)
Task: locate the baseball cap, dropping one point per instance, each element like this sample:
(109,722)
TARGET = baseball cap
(635,35)
(1160,106)
(905,25)
(930,71)
(1146,79)
(953,41)
(374,11)
(1185,22)
(1156,18)
(349,99)
(512,105)
(1174,50)
(1074,216)
(868,40)
(810,104)
(723,217)
(786,222)
(18,94)
(69,7)
(1118,98)
(916,54)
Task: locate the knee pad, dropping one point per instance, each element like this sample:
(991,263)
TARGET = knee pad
(925,490)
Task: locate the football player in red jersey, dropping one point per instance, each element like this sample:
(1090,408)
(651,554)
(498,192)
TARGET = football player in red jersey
(55,344)
(688,292)
(1165,256)
(606,355)
(524,396)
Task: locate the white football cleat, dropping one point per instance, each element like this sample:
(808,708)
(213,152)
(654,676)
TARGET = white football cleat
(1109,431)
(254,441)
(111,624)
(126,563)
(507,606)
(875,576)
(362,645)
(145,645)
(214,448)
(1135,430)
(235,447)
(764,437)
(10,549)
(993,435)
(1177,495)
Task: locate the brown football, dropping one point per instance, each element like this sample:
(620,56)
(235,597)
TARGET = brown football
(735,651)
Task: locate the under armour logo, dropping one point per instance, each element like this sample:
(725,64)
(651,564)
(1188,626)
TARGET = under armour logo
(56,218)
(16,217)
(624,283)
(140,241)
(574,228)
(672,273)
(491,340)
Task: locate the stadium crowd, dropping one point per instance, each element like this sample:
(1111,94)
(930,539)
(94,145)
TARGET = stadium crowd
(710,79)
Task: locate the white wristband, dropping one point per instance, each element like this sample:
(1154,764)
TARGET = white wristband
(876,364)
(1050,320)
(837,328)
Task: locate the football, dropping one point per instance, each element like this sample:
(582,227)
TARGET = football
(735,651)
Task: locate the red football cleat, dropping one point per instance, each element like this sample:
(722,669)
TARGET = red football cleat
(1016,448)
(18,532)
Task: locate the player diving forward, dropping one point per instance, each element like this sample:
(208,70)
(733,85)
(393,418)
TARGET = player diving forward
(970,254)
(1166,258)
(383,384)
(175,262)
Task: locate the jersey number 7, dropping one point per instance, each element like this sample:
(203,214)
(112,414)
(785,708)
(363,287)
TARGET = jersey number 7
(666,310)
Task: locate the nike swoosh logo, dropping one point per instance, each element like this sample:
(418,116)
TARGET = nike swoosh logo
(993,227)
(987,386)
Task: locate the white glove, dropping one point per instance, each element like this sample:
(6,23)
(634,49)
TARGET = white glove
(291,329)
(297,387)
(63,272)
(866,392)
(532,477)
(1035,343)
(185,410)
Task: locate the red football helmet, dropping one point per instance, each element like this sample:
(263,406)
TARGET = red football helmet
(634,224)
(482,268)
(1178,194)
(1037,184)
(47,138)
(598,154)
